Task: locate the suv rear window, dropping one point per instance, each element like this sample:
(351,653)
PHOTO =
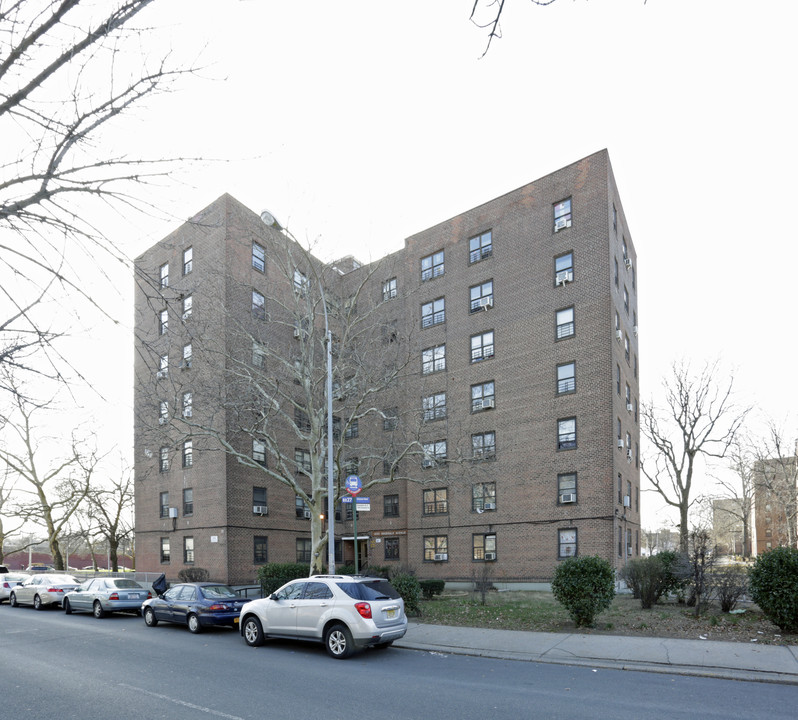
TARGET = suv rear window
(370,590)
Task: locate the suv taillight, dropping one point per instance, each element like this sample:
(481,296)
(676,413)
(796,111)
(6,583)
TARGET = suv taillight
(364,609)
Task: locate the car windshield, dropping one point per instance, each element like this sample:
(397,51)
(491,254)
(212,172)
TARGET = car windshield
(126,584)
(61,580)
(214,592)
(369,590)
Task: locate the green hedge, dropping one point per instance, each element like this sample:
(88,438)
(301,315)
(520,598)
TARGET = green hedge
(585,586)
(272,576)
(773,581)
(431,588)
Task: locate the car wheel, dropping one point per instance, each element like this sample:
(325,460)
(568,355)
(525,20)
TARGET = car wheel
(149,617)
(37,602)
(253,632)
(98,609)
(12,600)
(67,607)
(382,646)
(338,641)
(194,624)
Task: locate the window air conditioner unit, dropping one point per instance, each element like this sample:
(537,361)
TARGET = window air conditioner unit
(490,556)
(296,332)
(561,223)
(628,456)
(260,509)
(628,262)
(307,514)
(172,512)
(185,364)
(162,420)
(634,330)
(186,315)
(627,501)
(619,335)
(563,277)
(485,303)
(187,412)
(427,463)
(628,551)
(568,498)
(161,374)
(629,407)
(489,506)
(441,556)
(620,444)
(488,403)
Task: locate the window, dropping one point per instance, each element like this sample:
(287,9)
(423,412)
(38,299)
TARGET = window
(390,506)
(628,441)
(626,348)
(614,218)
(482,396)
(301,420)
(390,419)
(566,488)
(628,542)
(301,508)
(188,403)
(624,249)
(302,459)
(259,497)
(164,500)
(432,266)
(163,322)
(352,466)
(565,323)
(165,554)
(483,446)
(260,549)
(480,247)
(564,269)
(625,299)
(163,366)
(391,548)
(566,378)
(482,346)
(618,379)
(436,502)
(434,453)
(258,305)
(258,257)
(186,364)
(620,493)
(188,501)
(300,283)
(566,434)
(433,359)
(434,407)
(188,305)
(566,543)
(164,462)
(258,353)
(164,272)
(188,261)
(562,215)
(483,497)
(436,547)
(433,313)
(163,412)
(616,272)
(188,550)
(303,548)
(484,547)
(389,289)
(481,297)
(389,464)
(352,430)
(188,454)
(628,398)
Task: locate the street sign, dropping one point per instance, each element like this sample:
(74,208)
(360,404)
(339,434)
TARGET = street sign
(353,484)
(363,503)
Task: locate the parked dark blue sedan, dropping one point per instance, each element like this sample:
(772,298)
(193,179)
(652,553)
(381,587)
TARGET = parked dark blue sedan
(198,605)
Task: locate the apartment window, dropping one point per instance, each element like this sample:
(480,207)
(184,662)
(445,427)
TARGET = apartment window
(302,459)
(260,550)
(188,403)
(483,446)
(433,313)
(301,283)
(616,271)
(303,550)
(481,297)
(635,366)
(163,322)
(436,502)
(391,548)
(163,366)
(259,497)
(163,412)
(566,488)
(433,359)
(258,257)
(389,289)
(164,459)
(626,349)
(625,299)
(352,430)
(188,501)
(434,453)
(258,353)
(434,407)
(188,454)
(302,421)
(482,346)
(566,434)
(620,491)
(620,542)
(629,542)
(480,247)
(628,398)
(633,279)
(164,272)
(624,249)
(566,378)
(565,323)
(388,464)
(436,547)
(390,419)
(564,269)
(187,355)
(390,506)
(566,543)
(432,266)
(165,553)
(188,306)
(352,466)
(618,379)
(562,215)
(483,396)
(617,323)
(614,218)
(629,441)
(188,261)
(483,497)
(258,305)
(484,547)
(301,508)
(164,501)
(188,550)
(620,432)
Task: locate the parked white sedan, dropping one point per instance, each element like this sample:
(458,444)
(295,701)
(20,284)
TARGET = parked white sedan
(42,590)
(10,580)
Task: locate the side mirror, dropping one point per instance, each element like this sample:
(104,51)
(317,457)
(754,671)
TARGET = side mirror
(273,596)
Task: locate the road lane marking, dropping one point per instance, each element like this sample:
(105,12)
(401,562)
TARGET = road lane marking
(176,701)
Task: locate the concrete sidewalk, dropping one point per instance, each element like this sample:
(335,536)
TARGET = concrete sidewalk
(708,658)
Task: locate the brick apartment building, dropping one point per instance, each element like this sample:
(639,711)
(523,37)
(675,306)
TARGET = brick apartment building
(510,422)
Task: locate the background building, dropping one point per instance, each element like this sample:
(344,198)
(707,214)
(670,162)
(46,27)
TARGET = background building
(489,368)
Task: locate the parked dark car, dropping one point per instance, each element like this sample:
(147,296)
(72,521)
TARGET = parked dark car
(198,605)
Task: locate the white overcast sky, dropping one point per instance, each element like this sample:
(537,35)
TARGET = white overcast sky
(359,123)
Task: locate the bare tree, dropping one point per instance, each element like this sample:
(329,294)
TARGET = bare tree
(110,509)
(69,70)
(740,489)
(9,524)
(776,477)
(698,420)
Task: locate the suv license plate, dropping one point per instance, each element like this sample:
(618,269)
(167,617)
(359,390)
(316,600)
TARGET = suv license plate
(390,613)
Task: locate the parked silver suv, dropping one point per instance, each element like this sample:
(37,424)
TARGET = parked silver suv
(345,612)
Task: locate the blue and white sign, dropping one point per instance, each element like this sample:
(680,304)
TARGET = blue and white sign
(353,484)
(363,504)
